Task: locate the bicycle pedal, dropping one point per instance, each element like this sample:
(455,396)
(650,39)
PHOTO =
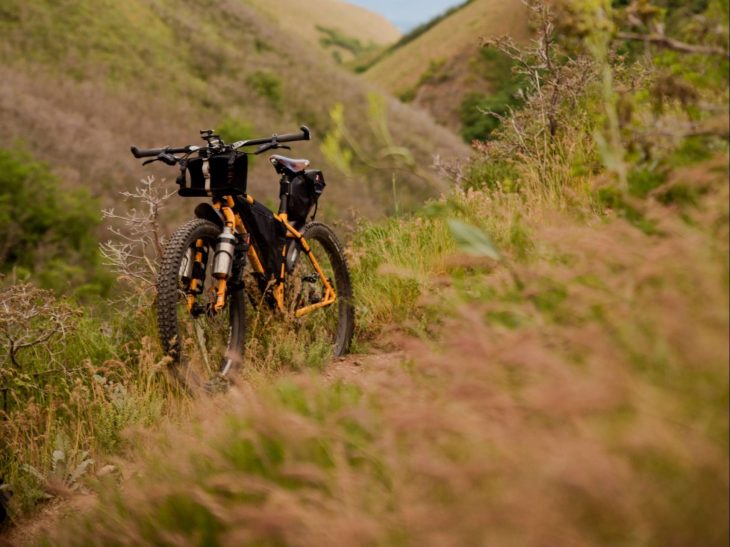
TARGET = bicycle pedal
(197,310)
(219,384)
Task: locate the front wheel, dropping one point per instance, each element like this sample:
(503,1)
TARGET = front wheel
(329,325)
(204,345)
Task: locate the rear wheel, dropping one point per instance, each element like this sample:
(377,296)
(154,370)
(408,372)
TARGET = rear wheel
(205,346)
(329,327)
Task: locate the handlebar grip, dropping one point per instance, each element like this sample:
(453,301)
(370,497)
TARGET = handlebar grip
(303,136)
(146,152)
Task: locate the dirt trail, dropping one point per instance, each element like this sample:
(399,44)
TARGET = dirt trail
(361,367)
(357,369)
(29,530)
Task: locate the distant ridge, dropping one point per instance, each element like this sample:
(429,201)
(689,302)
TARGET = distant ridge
(435,66)
(315,21)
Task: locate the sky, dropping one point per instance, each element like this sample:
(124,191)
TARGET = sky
(406,14)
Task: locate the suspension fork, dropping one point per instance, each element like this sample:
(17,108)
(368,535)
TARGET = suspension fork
(230,223)
(198,274)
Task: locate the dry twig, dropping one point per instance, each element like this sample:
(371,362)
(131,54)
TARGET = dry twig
(138,247)
(666,42)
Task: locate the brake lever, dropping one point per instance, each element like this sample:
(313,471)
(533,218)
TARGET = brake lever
(270,146)
(164,157)
(263,148)
(169,159)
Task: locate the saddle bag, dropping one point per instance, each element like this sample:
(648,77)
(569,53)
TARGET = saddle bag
(304,191)
(220,175)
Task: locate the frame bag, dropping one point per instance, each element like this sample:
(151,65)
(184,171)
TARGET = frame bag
(267,236)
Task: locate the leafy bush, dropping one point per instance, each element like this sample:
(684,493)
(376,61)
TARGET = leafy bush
(434,73)
(408,95)
(481,112)
(233,129)
(476,121)
(45,231)
(267,85)
(333,37)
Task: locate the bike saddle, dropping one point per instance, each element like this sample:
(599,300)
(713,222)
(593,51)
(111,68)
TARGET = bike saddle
(295,166)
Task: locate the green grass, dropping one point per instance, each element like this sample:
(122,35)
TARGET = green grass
(78,393)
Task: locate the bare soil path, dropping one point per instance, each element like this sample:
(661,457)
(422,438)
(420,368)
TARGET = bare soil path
(30,529)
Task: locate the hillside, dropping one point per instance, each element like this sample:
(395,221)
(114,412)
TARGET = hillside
(83,80)
(438,68)
(340,28)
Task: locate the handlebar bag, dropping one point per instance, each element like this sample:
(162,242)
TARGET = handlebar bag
(304,192)
(220,175)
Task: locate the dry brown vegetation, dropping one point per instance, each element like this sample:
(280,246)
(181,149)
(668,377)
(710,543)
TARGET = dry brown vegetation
(585,408)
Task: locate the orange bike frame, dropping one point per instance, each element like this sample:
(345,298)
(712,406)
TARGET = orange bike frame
(234,221)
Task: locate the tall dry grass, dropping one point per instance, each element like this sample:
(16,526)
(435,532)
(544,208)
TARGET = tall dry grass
(584,405)
(67,401)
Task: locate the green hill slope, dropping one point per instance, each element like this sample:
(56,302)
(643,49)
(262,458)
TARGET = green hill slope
(437,68)
(84,80)
(342,29)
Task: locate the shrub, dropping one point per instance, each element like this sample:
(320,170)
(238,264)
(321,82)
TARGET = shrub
(481,112)
(46,231)
(267,85)
(70,380)
(333,37)
(408,95)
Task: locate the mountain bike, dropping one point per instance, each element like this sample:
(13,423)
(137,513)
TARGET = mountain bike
(237,252)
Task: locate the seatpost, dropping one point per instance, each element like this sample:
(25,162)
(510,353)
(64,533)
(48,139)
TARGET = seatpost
(284,190)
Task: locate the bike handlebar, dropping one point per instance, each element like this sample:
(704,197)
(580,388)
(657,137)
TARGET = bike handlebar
(292,137)
(274,139)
